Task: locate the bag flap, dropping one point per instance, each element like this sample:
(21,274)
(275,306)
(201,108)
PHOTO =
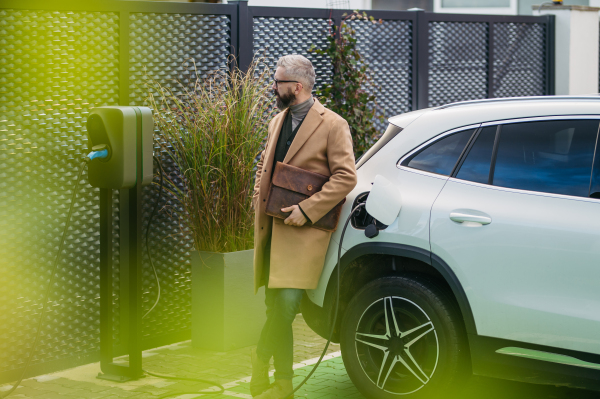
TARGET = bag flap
(297,179)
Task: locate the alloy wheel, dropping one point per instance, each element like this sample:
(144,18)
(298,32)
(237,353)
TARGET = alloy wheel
(397,345)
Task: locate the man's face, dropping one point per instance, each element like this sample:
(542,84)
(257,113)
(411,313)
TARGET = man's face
(284,91)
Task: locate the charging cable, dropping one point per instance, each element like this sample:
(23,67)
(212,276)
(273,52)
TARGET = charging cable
(92,155)
(221,388)
(337,302)
(52,275)
(160,169)
(169,377)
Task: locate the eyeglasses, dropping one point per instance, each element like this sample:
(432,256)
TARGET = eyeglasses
(283,81)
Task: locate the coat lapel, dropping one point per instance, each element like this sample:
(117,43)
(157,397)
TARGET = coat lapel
(312,120)
(272,143)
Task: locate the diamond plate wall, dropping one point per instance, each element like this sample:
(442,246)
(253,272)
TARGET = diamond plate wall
(276,37)
(54,67)
(519,60)
(387,49)
(166,48)
(458,65)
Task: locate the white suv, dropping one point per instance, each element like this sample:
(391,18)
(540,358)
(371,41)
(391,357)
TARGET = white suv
(493,263)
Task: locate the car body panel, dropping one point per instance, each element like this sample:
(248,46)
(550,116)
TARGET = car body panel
(532,274)
(411,228)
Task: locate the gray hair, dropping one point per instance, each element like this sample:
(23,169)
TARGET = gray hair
(299,67)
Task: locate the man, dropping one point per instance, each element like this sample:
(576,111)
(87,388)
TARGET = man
(288,255)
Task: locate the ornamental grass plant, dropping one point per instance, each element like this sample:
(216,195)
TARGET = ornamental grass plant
(212,130)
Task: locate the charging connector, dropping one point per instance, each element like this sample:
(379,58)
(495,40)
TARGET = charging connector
(101,151)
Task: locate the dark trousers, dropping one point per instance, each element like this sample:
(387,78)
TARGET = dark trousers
(276,339)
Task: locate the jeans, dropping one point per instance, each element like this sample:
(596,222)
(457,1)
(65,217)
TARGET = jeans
(276,338)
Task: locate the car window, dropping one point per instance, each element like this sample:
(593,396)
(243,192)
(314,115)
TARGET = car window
(548,156)
(476,166)
(441,156)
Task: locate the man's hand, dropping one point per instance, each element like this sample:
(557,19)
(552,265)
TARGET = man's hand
(296,218)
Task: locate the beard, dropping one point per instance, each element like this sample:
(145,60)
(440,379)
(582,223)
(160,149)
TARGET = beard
(284,100)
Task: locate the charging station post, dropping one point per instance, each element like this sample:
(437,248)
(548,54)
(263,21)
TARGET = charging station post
(121,139)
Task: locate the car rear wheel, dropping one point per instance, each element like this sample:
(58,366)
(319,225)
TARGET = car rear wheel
(403,336)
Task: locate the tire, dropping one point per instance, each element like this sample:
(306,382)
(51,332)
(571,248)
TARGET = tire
(429,357)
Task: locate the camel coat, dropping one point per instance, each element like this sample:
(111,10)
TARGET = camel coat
(323,144)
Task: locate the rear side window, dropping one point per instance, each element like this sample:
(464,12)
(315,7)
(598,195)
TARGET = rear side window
(549,156)
(441,156)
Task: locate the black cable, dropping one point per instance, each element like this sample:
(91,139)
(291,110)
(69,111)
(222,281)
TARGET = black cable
(47,293)
(324,350)
(337,302)
(221,388)
(147,234)
(169,377)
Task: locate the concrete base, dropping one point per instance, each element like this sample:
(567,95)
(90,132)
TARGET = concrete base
(226,315)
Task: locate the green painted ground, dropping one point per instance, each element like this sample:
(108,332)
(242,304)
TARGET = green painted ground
(329,381)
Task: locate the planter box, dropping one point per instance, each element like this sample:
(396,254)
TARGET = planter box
(226,314)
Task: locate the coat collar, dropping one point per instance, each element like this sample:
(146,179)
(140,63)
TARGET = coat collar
(312,120)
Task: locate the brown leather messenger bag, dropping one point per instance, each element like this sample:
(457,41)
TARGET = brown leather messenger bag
(292,185)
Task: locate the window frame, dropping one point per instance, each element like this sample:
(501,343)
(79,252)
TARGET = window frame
(513,9)
(465,153)
(405,157)
(595,161)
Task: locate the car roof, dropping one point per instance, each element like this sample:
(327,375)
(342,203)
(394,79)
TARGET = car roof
(423,125)
(478,111)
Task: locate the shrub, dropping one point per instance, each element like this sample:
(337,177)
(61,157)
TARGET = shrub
(348,93)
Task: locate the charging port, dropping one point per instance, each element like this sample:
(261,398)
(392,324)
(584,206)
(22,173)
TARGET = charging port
(362,219)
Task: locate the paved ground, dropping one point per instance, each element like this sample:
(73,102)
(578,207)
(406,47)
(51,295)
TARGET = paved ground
(232,370)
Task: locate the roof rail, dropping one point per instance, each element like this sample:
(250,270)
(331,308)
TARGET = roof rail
(510,99)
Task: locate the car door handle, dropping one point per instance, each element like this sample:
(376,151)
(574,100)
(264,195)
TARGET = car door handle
(461,216)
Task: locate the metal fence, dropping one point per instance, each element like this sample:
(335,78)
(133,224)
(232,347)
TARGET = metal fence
(62,58)
(466,57)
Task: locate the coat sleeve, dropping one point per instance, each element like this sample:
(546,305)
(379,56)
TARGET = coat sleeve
(340,156)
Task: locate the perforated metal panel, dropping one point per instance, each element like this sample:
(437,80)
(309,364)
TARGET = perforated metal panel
(166,48)
(387,49)
(54,67)
(276,37)
(519,60)
(458,65)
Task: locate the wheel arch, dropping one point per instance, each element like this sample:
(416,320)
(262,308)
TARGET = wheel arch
(424,256)
(319,318)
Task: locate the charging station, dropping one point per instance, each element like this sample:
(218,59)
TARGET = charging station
(121,144)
